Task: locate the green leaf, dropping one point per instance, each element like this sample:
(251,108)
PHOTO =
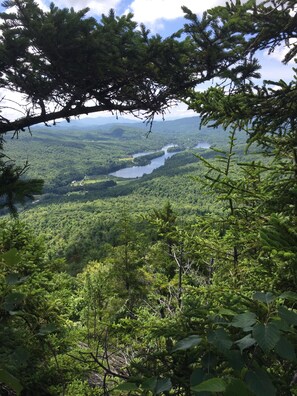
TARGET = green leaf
(288,315)
(11,381)
(244,321)
(267,336)
(234,359)
(245,342)
(12,300)
(281,324)
(163,385)
(212,385)
(47,329)
(259,383)
(289,295)
(18,313)
(187,343)
(157,385)
(237,388)
(14,279)
(209,360)
(264,297)
(285,349)
(11,257)
(149,384)
(220,339)
(227,312)
(21,356)
(196,377)
(126,386)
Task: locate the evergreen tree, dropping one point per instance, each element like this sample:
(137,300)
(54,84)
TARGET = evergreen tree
(231,339)
(67,64)
(34,303)
(14,188)
(267,112)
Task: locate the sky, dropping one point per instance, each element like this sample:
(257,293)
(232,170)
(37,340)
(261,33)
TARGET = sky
(165,17)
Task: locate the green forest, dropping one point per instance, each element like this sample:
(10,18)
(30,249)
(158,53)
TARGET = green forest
(179,282)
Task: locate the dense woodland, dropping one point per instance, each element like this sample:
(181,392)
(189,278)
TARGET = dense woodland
(82,184)
(181,282)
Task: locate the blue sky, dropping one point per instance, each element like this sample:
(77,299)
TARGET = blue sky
(165,17)
(161,16)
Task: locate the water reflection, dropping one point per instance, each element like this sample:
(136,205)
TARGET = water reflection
(138,171)
(203,145)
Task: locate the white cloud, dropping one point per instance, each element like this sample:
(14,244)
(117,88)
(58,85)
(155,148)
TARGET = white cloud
(149,11)
(96,7)
(146,11)
(280,52)
(42,5)
(11,104)
(180,110)
(274,70)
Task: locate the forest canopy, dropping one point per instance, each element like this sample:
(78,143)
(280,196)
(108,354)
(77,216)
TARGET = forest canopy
(167,304)
(65,64)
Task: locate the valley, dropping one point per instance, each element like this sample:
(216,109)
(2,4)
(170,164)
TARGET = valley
(148,258)
(129,266)
(79,190)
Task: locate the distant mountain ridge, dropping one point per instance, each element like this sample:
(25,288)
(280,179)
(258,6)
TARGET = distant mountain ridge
(85,123)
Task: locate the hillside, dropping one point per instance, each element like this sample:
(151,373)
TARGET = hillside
(82,202)
(65,153)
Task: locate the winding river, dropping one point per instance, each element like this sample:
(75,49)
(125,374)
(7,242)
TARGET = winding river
(138,171)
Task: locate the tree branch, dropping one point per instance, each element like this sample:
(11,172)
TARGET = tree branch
(26,122)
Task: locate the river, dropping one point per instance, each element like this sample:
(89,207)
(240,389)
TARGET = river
(138,171)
